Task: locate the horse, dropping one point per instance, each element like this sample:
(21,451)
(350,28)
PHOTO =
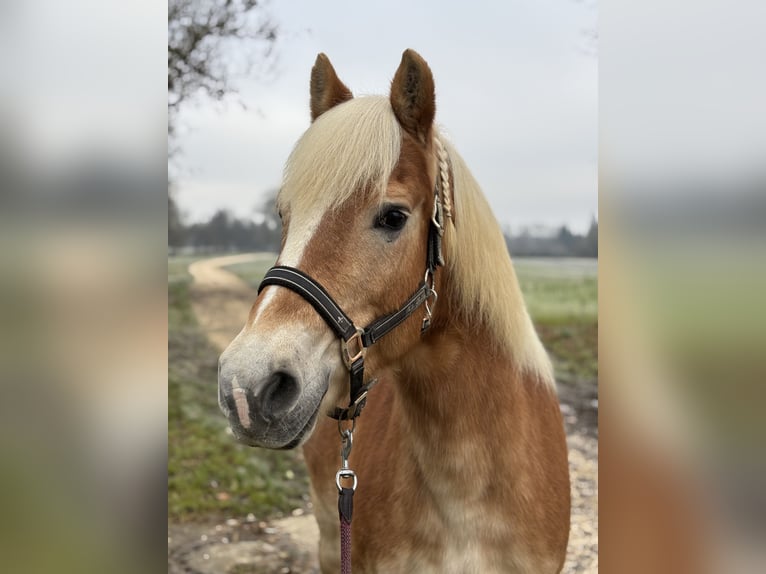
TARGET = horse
(460,451)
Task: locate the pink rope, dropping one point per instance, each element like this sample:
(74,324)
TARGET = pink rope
(345,546)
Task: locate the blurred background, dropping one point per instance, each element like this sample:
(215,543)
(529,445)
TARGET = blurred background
(82,272)
(682,178)
(105,439)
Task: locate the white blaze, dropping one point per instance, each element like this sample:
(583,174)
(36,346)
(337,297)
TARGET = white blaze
(302,229)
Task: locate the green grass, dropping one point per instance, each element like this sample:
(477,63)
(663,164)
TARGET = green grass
(253,271)
(209,473)
(573,349)
(178,268)
(559,291)
(562,298)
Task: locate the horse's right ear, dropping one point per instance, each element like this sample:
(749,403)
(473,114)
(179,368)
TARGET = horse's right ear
(412,96)
(327,90)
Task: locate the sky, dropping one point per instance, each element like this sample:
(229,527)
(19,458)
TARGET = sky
(516,92)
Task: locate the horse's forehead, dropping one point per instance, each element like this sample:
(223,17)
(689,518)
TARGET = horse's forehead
(409,181)
(303,226)
(412,171)
(412,160)
(310,222)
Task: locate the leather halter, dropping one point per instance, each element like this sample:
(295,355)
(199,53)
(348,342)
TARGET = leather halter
(354,340)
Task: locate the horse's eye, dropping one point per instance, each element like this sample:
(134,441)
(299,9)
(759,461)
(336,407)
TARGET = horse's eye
(391,220)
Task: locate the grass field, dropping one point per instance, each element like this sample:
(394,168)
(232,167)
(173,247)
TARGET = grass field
(251,272)
(562,298)
(559,290)
(209,474)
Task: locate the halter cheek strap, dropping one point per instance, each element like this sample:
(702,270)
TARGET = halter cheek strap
(355,341)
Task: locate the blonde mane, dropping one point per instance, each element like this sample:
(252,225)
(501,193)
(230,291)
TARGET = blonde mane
(351,146)
(483,277)
(357,145)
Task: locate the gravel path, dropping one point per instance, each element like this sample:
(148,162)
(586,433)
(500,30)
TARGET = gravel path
(247,545)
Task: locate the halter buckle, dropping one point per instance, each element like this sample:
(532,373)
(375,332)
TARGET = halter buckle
(355,408)
(353,349)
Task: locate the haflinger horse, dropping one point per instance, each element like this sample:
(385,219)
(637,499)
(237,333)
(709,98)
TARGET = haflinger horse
(460,452)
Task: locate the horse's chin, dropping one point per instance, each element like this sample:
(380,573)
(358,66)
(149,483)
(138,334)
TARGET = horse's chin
(304,434)
(286,440)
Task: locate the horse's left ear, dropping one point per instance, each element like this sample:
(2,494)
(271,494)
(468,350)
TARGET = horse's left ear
(327,90)
(412,96)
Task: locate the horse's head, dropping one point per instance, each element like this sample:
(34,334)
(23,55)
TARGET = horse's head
(356,205)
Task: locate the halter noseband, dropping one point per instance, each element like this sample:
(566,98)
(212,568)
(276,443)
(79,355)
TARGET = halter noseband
(354,340)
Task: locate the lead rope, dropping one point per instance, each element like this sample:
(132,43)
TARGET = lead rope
(345,496)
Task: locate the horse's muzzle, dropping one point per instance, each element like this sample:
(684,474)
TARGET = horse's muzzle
(272,409)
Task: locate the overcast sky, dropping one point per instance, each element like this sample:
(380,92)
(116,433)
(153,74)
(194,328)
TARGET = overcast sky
(516,92)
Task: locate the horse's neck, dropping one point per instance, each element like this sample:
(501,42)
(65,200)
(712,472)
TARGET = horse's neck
(459,398)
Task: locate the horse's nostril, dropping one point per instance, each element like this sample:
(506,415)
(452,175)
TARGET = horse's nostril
(278,395)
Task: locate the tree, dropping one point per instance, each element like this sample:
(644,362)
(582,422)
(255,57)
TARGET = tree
(219,227)
(176,231)
(267,210)
(591,239)
(566,238)
(198,31)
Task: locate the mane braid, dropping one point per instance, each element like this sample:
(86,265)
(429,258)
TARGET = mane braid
(444,167)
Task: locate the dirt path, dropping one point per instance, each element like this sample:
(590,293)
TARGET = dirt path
(221,302)
(220,299)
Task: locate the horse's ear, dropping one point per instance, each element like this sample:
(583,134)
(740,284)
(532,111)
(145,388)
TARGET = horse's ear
(327,90)
(412,96)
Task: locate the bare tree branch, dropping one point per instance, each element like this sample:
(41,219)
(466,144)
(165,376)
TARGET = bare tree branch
(197,33)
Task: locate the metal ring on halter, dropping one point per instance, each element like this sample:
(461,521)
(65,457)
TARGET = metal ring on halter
(358,352)
(428,279)
(429,310)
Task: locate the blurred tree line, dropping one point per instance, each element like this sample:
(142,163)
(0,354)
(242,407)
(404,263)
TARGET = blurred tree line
(563,243)
(224,232)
